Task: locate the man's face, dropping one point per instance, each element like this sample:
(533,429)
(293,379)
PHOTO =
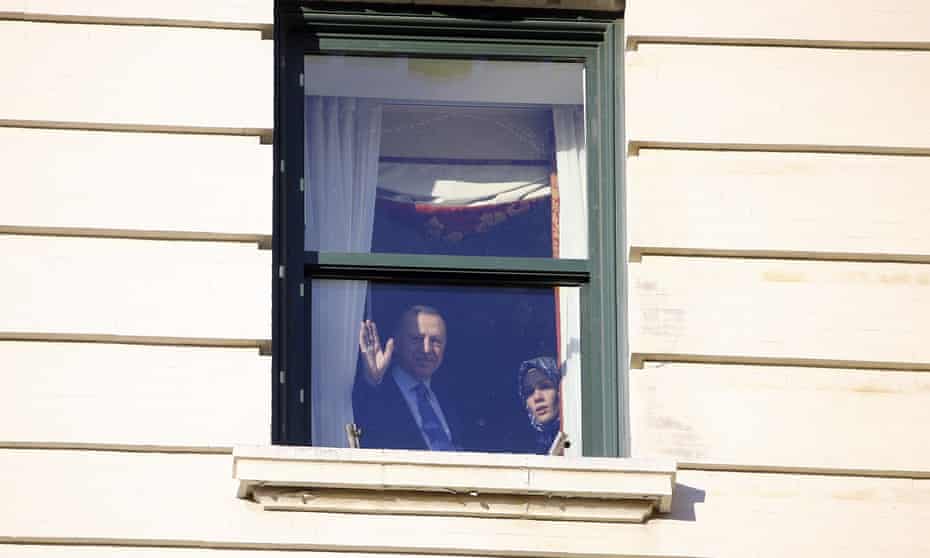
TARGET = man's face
(542,402)
(421,343)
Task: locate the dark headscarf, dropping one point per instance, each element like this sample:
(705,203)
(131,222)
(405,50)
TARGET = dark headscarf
(546,368)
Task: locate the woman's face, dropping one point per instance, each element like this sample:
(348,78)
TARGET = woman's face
(543,402)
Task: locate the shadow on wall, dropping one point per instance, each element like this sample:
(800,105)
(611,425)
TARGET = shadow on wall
(683,503)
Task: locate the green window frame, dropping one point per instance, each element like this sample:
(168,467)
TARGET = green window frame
(303,28)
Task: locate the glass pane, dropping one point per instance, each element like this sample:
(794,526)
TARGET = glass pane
(444,367)
(458,157)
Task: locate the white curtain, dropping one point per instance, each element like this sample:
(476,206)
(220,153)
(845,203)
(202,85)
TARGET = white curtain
(341,170)
(571,168)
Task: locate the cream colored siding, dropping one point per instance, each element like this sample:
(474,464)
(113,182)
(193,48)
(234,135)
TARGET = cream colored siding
(782,310)
(804,98)
(782,417)
(96,551)
(806,22)
(246,13)
(183,500)
(124,119)
(193,186)
(106,395)
(134,75)
(825,204)
(777,209)
(189,500)
(135,287)
(134,78)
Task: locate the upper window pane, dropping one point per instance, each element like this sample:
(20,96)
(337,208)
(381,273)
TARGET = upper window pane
(441,156)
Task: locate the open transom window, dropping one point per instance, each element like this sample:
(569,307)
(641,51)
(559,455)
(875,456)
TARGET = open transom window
(447,222)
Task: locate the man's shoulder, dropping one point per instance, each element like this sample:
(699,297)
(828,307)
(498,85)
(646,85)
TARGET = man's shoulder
(385,388)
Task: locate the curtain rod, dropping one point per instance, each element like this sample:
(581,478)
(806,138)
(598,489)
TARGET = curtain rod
(455,161)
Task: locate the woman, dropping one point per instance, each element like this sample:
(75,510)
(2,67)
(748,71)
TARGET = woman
(538,381)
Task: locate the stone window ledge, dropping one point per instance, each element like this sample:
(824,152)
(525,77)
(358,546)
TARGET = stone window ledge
(453,484)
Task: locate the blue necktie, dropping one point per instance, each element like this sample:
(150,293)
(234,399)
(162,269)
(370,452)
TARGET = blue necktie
(430,423)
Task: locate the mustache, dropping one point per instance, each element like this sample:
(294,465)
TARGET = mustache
(425,361)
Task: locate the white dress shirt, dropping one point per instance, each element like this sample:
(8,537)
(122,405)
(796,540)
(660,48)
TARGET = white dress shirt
(408,385)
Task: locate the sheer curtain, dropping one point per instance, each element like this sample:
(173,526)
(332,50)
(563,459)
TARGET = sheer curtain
(341,168)
(568,123)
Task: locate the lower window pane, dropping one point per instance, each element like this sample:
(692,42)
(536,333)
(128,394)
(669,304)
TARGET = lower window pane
(446,368)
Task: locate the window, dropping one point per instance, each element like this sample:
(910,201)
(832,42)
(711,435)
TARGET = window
(447,211)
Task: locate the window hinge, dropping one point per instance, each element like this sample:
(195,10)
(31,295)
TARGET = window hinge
(281,376)
(301,185)
(280,272)
(301,395)
(301,80)
(301,289)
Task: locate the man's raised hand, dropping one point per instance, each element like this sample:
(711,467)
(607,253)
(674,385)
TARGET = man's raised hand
(377,359)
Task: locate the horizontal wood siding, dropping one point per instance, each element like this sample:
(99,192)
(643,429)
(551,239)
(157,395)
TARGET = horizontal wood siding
(189,500)
(101,394)
(819,204)
(97,498)
(776,217)
(788,418)
(201,185)
(81,78)
(243,12)
(97,551)
(135,287)
(852,22)
(784,310)
(129,75)
(797,98)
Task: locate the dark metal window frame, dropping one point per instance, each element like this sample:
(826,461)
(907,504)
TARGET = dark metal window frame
(593,40)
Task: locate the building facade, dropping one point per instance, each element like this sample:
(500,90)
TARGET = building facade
(774,160)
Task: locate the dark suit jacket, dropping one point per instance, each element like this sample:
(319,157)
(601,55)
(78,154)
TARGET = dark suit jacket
(385,419)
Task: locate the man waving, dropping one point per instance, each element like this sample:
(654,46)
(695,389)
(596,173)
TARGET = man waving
(394,399)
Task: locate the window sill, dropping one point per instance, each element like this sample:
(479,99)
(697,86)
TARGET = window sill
(453,484)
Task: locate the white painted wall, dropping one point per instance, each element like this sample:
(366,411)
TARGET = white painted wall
(776,207)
